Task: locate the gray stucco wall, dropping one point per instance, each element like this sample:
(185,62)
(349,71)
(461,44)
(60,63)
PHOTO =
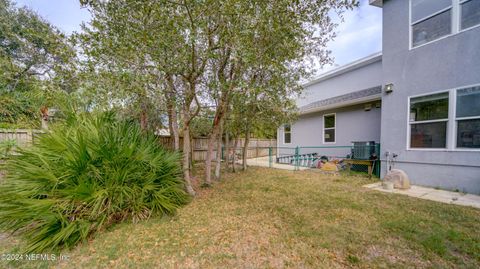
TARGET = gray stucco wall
(353,123)
(362,78)
(448,63)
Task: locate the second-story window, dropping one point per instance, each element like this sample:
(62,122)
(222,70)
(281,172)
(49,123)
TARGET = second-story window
(430,20)
(470,13)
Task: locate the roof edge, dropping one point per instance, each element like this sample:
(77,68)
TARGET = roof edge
(346,68)
(362,100)
(377,3)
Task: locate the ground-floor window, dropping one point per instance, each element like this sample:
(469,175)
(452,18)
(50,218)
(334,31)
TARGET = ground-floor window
(468,117)
(434,124)
(428,121)
(287,134)
(329,123)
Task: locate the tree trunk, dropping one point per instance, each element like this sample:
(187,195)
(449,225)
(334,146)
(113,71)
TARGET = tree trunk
(218,164)
(186,160)
(172,114)
(170,129)
(192,160)
(173,127)
(212,140)
(227,150)
(234,159)
(245,147)
(208,159)
(143,120)
(44,117)
(176,133)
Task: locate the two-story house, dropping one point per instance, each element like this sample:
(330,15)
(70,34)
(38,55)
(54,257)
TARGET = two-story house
(419,98)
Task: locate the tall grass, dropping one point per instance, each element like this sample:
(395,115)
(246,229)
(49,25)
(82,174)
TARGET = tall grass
(83,176)
(6,148)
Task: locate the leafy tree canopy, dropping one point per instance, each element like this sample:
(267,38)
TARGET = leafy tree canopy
(36,60)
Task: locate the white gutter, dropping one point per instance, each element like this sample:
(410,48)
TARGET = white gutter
(357,101)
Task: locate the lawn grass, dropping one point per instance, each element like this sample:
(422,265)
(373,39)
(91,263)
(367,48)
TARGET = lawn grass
(266,218)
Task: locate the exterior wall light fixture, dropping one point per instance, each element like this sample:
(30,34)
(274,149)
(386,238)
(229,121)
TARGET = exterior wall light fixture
(388,88)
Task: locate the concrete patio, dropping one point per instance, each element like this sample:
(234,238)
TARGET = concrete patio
(447,197)
(264,162)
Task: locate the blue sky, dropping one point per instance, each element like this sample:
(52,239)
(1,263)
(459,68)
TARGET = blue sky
(359,35)
(65,14)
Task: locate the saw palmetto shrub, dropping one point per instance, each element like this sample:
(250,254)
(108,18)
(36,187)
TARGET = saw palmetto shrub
(83,176)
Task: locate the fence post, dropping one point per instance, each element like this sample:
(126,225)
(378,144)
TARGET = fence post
(296,159)
(379,161)
(270,157)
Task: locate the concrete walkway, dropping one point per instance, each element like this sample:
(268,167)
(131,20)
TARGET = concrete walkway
(447,197)
(264,162)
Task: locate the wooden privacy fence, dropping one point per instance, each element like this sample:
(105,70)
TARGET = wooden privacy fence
(22,137)
(256,147)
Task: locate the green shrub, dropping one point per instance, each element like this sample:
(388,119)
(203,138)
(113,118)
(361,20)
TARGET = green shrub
(84,176)
(18,110)
(6,147)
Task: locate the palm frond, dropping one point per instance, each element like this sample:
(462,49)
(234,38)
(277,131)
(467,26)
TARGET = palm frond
(89,173)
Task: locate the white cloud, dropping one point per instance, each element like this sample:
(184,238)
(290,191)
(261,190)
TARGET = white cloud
(359,35)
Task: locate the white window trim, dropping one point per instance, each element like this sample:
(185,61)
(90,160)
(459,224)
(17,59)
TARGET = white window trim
(409,129)
(455,17)
(431,15)
(460,30)
(451,121)
(330,128)
(456,119)
(284,132)
(410,24)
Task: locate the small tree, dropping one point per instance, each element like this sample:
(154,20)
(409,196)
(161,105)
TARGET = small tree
(264,52)
(193,53)
(168,41)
